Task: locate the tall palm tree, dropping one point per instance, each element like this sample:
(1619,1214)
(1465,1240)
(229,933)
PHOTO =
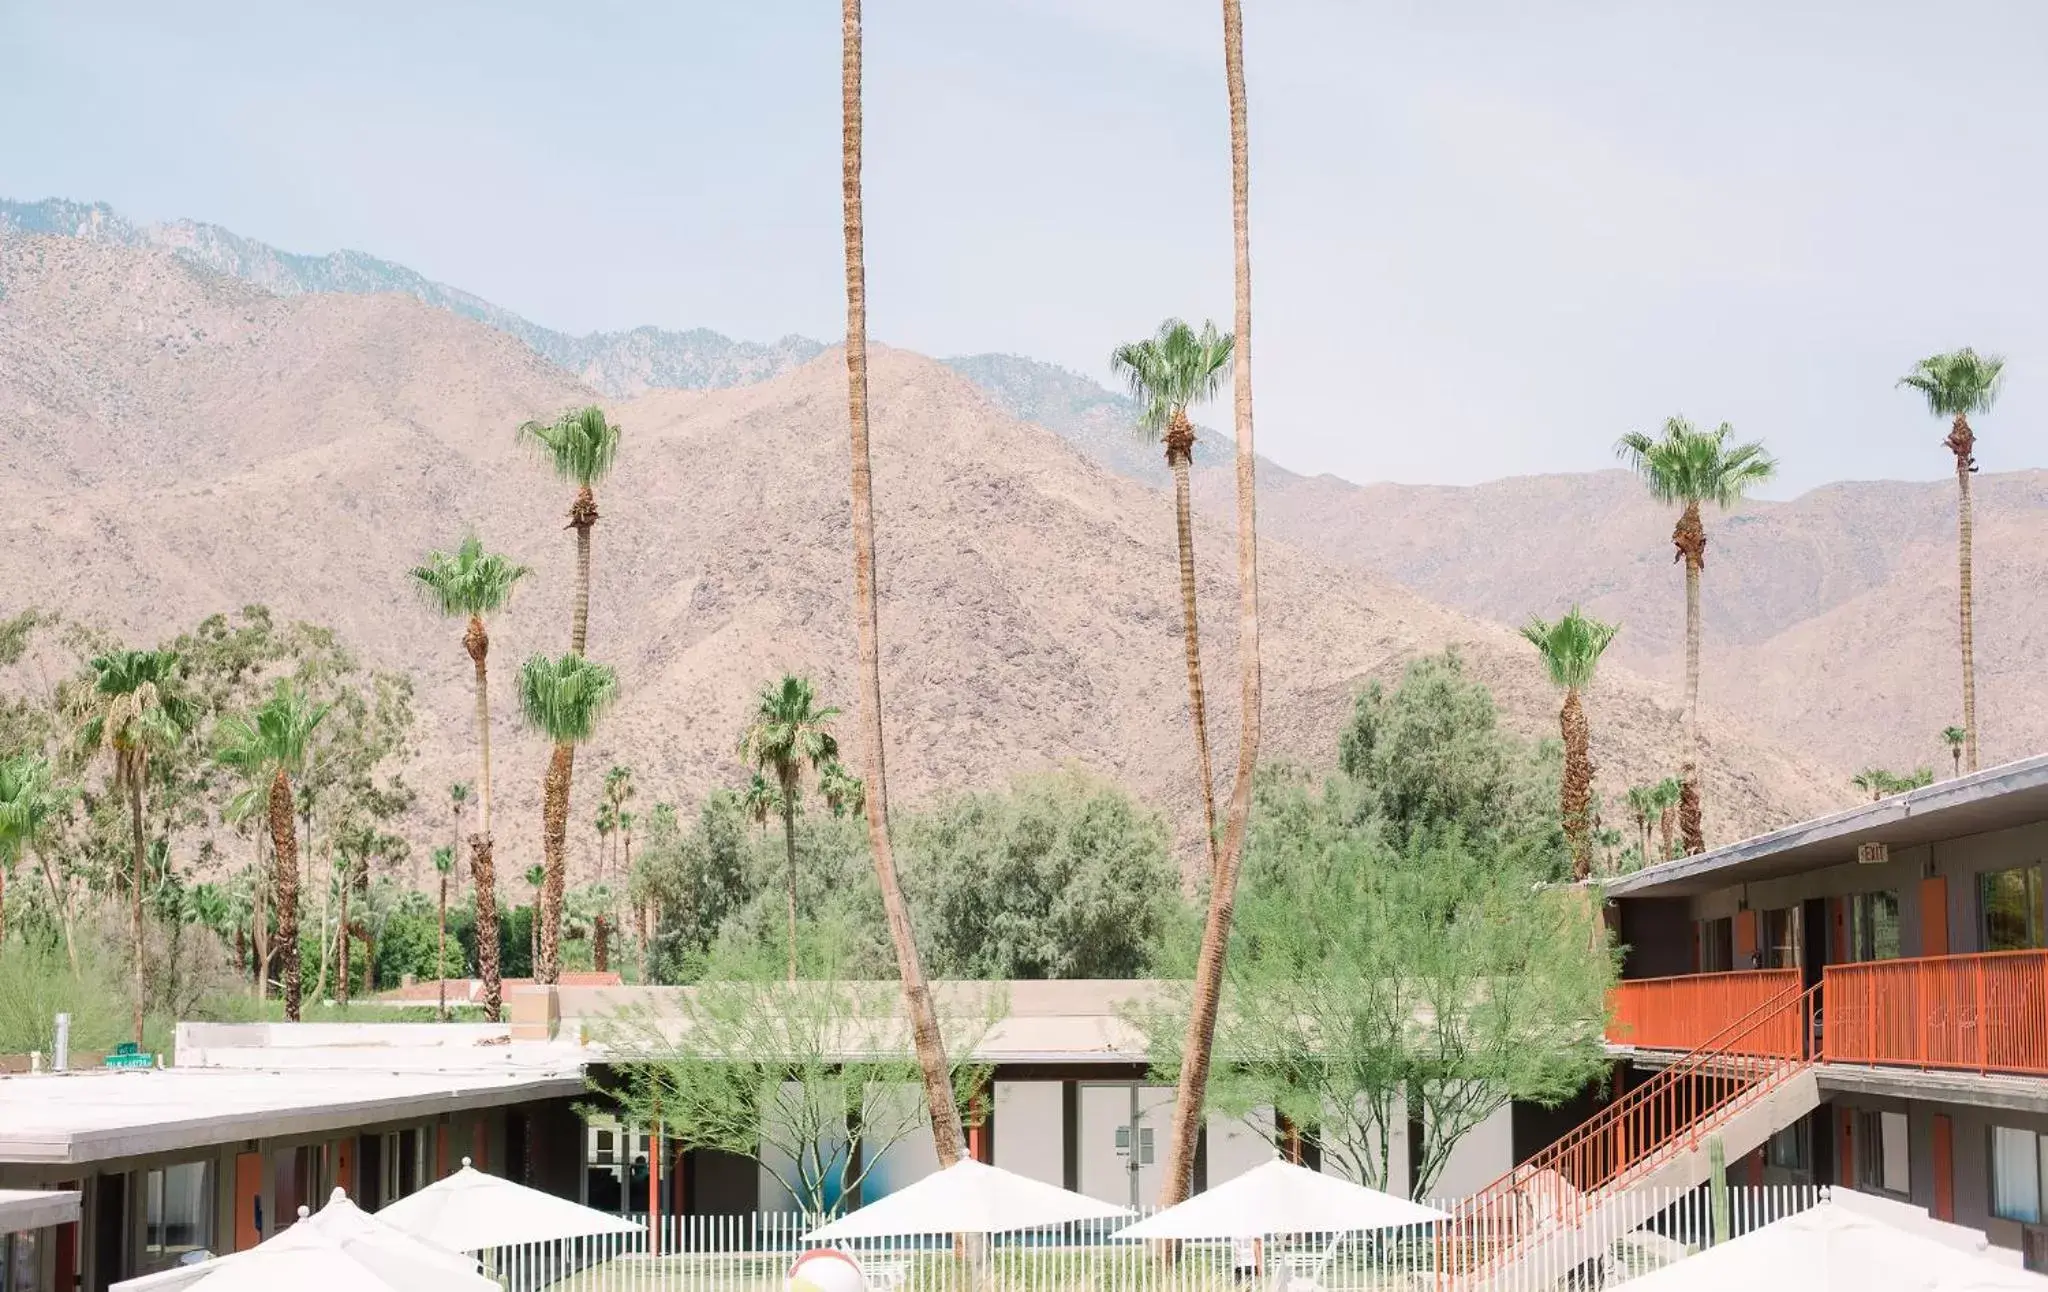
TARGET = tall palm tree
(1693,467)
(581,446)
(29,805)
(1208,987)
(1956,385)
(1954,737)
(1668,793)
(1166,373)
(269,747)
(134,710)
(563,699)
(1571,650)
(471,584)
(786,735)
(932,1061)
(444,865)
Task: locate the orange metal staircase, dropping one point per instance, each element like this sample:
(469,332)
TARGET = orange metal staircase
(1743,1084)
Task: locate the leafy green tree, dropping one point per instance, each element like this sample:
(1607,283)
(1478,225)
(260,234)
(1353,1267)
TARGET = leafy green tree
(1954,738)
(30,805)
(1372,986)
(563,699)
(1691,468)
(1060,876)
(1571,650)
(472,584)
(1430,756)
(1167,372)
(810,1080)
(1956,385)
(693,881)
(787,735)
(842,791)
(268,747)
(134,710)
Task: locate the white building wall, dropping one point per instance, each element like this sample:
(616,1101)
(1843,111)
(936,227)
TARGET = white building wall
(1486,1153)
(1236,1145)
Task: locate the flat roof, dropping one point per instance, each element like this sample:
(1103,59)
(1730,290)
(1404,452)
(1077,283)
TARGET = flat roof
(1996,798)
(253,1081)
(25,1209)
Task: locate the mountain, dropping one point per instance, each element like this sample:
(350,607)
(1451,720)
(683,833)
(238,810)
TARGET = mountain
(615,363)
(178,442)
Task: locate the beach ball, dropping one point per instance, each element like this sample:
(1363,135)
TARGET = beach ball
(825,1270)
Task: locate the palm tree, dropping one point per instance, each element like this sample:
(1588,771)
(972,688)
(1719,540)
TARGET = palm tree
(135,709)
(841,789)
(269,747)
(1875,781)
(1166,373)
(444,865)
(29,805)
(1643,809)
(1954,737)
(471,584)
(786,734)
(932,1061)
(1693,467)
(1208,985)
(563,699)
(1668,793)
(1571,650)
(1955,386)
(581,446)
(760,800)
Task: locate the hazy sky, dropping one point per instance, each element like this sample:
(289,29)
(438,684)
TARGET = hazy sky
(1488,237)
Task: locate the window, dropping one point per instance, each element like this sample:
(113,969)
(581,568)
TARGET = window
(1779,939)
(20,1268)
(2009,906)
(1717,945)
(2016,1170)
(177,1213)
(1874,926)
(1788,1149)
(1881,1148)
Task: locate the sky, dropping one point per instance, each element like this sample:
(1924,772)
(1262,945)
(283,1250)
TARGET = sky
(1488,237)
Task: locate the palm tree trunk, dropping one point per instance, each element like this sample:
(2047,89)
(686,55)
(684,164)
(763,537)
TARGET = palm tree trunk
(554,845)
(924,1020)
(1208,988)
(1965,462)
(483,877)
(135,890)
(1575,794)
(285,844)
(789,847)
(1179,452)
(348,880)
(441,950)
(582,516)
(60,901)
(1692,548)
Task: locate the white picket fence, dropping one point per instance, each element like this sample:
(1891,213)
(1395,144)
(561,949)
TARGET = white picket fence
(753,1253)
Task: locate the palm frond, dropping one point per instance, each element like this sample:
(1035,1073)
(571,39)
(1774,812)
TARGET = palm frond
(1571,647)
(1958,383)
(565,697)
(1171,370)
(581,445)
(468,581)
(1689,466)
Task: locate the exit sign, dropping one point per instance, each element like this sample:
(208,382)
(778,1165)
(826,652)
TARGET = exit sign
(1872,854)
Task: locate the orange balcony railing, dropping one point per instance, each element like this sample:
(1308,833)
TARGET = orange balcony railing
(1685,1013)
(1977,1013)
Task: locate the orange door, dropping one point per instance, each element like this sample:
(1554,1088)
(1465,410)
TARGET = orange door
(1745,938)
(1845,1172)
(1934,916)
(1944,1169)
(248,1200)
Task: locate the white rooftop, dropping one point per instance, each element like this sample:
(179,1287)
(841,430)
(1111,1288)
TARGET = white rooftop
(24,1209)
(249,1081)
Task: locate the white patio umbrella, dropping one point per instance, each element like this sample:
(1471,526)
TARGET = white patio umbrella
(470,1211)
(1843,1245)
(341,1249)
(967,1197)
(1281,1198)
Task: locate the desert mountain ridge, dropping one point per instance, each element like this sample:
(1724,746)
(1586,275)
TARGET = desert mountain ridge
(188,443)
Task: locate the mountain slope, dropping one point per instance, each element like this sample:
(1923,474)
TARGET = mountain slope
(195,444)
